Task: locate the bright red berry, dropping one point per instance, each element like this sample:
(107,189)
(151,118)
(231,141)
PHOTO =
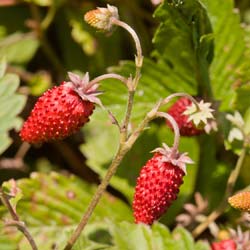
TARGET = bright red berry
(224,245)
(158,185)
(187,128)
(60,111)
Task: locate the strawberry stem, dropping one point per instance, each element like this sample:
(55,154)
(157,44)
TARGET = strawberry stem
(132,85)
(139,57)
(170,97)
(16,221)
(99,192)
(175,128)
(124,147)
(108,76)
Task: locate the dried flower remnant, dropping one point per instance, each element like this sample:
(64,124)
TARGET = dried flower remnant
(101,18)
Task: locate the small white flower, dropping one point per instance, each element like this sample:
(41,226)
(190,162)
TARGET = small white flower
(236,119)
(199,116)
(235,134)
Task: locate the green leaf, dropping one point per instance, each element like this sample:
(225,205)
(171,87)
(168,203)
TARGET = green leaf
(242,98)
(13,104)
(247,121)
(3,66)
(57,203)
(187,240)
(13,193)
(21,44)
(141,237)
(231,60)
(185,27)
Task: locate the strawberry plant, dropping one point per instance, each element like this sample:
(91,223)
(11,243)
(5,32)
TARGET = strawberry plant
(82,165)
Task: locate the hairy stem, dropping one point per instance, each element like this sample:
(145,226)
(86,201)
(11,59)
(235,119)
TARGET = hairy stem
(175,127)
(170,97)
(123,149)
(125,144)
(16,221)
(229,189)
(108,76)
(139,59)
(100,190)
(124,128)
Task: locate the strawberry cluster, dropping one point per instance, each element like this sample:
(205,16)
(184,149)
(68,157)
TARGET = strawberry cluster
(160,179)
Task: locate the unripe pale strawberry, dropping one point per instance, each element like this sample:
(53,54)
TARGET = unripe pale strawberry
(187,128)
(158,185)
(224,245)
(241,201)
(61,111)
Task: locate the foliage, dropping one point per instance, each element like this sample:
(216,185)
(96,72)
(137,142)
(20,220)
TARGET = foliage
(198,46)
(60,199)
(11,103)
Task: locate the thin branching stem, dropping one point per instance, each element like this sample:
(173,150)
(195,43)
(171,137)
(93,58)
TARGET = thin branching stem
(229,189)
(16,221)
(170,97)
(109,76)
(125,144)
(175,128)
(135,37)
(123,149)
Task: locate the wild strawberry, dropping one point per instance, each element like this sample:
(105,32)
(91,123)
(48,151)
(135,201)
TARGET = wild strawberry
(224,245)
(240,201)
(61,111)
(158,184)
(187,128)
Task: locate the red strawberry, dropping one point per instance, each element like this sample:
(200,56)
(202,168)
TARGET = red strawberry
(187,128)
(61,111)
(224,245)
(158,184)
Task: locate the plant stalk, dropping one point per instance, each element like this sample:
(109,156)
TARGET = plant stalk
(100,190)
(229,189)
(123,149)
(16,221)
(108,76)
(125,144)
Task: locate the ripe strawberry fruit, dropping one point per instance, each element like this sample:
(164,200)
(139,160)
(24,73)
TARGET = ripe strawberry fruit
(158,184)
(187,128)
(61,111)
(224,245)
